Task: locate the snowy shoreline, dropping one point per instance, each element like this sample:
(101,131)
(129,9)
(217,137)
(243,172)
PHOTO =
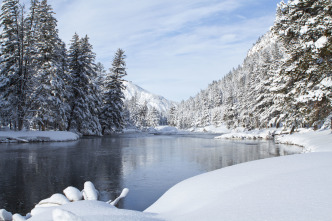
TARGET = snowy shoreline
(36,136)
(295,187)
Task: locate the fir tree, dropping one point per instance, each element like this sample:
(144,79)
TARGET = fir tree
(13,78)
(112,113)
(83,115)
(48,99)
(305,27)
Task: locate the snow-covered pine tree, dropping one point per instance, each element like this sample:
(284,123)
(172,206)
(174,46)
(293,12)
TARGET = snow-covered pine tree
(49,81)
(305,26)
(153,117)
(83,115)
(112,118)
(13,78)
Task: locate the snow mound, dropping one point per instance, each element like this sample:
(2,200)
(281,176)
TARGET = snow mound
(63,215)
(166,129)
(313,141)
(296,187)
(72,193)
(89,192)
(18,217)
(90,210)
(59,208)
(37,136)
(212,129)
(5,215)
(56,199)
(266,134)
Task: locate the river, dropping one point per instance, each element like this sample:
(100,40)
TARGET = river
(146,164)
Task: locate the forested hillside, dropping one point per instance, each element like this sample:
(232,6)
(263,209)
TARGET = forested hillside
(47,87)
(285,80)
(144,109)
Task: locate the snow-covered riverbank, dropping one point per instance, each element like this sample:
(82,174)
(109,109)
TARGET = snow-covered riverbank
(37,136)
(296,187)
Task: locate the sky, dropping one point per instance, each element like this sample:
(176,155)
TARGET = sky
(174,48)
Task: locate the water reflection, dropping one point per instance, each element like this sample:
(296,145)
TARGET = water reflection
(148,166)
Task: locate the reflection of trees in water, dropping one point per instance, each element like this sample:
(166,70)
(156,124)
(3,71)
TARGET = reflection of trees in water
(209,154)
(35,174)
(205,152)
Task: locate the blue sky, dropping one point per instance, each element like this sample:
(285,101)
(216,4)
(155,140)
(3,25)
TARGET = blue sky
(174,48)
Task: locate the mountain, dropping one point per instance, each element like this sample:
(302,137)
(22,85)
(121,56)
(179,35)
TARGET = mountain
(143,108)
(143,96)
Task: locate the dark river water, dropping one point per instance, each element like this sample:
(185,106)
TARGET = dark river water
(148,165)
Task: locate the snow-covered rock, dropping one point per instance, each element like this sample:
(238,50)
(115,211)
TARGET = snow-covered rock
(55,200)
(18,217)
(5,215)
(89,192)
(73,194)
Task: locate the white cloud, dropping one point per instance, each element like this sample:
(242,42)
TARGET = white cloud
(174,48)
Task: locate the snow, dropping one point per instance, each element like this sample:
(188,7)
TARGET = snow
(5,215)
(165,130)
(295,187)
(59,208)
(169,130)
(55,200)
(73,194)
(18,217)
(161,104)
(90,210)
(304,30)
(241,134)
(313,141)
(321,42)
(63,215)
(89,192)
(37,136)
(123,194)
(211,129)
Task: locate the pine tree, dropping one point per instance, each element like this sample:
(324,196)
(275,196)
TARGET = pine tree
(113,106)
(13,78)
(48,99)
(83,115)
(305,27)
(153,117)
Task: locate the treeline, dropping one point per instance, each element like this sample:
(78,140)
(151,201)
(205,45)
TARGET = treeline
(141,115)
(285,81)
(47,87)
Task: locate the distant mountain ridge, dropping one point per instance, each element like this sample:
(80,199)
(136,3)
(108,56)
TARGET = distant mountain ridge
(158,102)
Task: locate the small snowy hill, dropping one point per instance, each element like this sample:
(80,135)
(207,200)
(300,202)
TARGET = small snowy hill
(160,103)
